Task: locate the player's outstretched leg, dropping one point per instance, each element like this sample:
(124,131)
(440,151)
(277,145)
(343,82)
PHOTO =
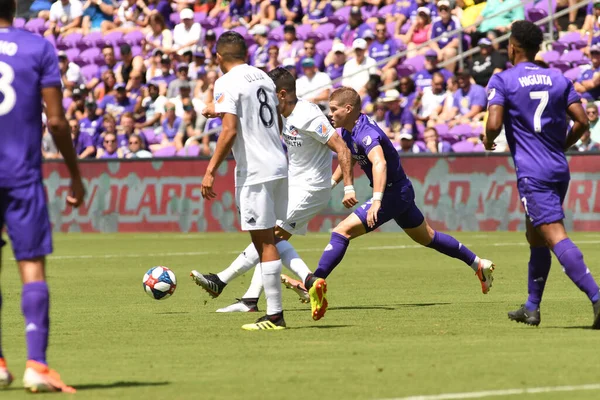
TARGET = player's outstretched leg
(446,244)
(6,377)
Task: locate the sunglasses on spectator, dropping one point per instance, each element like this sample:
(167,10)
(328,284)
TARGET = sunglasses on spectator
(170,109)
(308,48)
(109,141)
(379,30)
(188,108)
(134,142)
(443,8)
(592,112)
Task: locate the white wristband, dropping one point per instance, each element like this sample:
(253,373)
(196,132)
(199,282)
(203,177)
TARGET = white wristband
(348,189)
(333,183)
(378,196)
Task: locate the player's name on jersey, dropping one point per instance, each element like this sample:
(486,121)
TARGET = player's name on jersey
(8,48)
(254,77)
(536,79)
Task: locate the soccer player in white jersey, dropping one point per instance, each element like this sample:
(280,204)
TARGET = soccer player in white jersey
(310,138)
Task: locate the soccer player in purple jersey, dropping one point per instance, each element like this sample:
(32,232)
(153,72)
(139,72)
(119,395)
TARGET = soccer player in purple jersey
(393,194)
(29,74)
(533,103)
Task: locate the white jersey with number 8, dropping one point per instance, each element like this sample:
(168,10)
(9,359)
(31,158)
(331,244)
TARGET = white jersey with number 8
(250,94)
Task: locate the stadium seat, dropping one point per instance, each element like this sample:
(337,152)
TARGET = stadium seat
(241,30)
(327,30)
(573,73)
(562,66)
(551,56)
(151,136)
(89,72)
(114,38)
(218,31)
(390,27)
(174,18)
(189,151)
(166,152)
(324,46)
(136,51)
(405,27)
(573,55)
(405,70)
(578,45)
(302,31)
(479,148)
(343,12)
(385,11)
(536,14)
(276,34)
(546,6)
(92,39)
(560,47)
(66,102)
(19,23)
(461,130)
(69,41)
(463,147)
(200,16)
(417,62)
(35,25)
(442,129)
(336,20)
(210,23)
(72,54)
(133,38)
(89,56)
(570,37)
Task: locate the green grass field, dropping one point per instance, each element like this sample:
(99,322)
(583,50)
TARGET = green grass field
(403,321)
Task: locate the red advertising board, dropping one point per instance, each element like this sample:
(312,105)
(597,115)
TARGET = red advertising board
(471,193)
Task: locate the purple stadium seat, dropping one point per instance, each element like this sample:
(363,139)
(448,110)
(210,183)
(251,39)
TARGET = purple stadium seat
(89,56)
(417,62)
(302,31)
(578,45)
(442,129)
(390,27)
(136,51)
(324,46)
(560,47)
(579,63)
(421,145)
(327,30)
(463,147)
(189,151)
(52,40)
(218,31)
(405,70)
(343,12)
(72,54)
(551,56)
(543,5)
(35,25)
(69,41)
(405,27)
(573,73)
(252,49)
(93,39)
(133,38)
(99,60)
(461,130)
(573,55)
(316,36)
(336,20)
(200,16)
(385,10)
(209,23)
(368,11)
(535,14)
(151,136)
(19,22)
(89,71)
(166,152)
(570,37)
(66,102)
(114,38)
(276,34)
(241,30)
(562,66)
(174,18)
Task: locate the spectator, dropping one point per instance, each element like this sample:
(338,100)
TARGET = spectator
(152,107)
(238,10)
(135,86)
(128,17)
(182,79)
(448,108)
(492,27)
(70,73)
(41,8)
(317,12)
(433,143)
(590,24)
(447,46)
(586,143)
(170,127)
(149,7)
(77,108)
(167,75)
(357,70)
(49,149)
(407,91)
(273,58)
(313,86)
(187,33)
(125,130)
(185,91)
(310,51)
(153,65)
(408,10)
(430,102)
(379,114)
(84,147)
(129,65)
(383,47)
(335,61)
(591,110)
(159,36)
(407,143)
(423,77)
(290,45)
(90,123)
(65,17)
(487,63)
(98,16)
(419,32)
(135,148)
(588,83)
(197,64)
(116,104)
(107,87)
(205,86)
(397,117)
(209,141)
(210,47)
(471,9)
(354,29)
(110,63)
(289,11)
(263,13)
(261,53)
(109,148)
(290,65)
(370,99)
(469,101)
(192,125)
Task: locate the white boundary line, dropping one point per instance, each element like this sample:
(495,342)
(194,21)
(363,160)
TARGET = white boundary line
(308,250)
(505,392)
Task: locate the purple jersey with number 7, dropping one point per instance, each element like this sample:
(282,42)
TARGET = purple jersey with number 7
(535,101)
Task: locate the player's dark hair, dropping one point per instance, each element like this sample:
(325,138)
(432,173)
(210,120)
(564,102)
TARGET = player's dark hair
(232,46)
(8,9)
(528,35)
(283,79)
(106,46)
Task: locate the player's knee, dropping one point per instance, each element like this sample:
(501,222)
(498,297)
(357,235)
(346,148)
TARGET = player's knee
(344,230)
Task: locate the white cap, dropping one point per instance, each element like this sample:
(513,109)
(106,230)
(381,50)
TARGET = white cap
(424,10)
(337,47)
(289,62)
(368,34)
(404,134)
(391,95)
(442,3)
(359,44)
(186,13)
(259,30)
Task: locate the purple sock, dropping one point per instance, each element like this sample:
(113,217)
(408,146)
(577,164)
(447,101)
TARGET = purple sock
(540,260)
(571,259)
(451,247)
(332,256)
(35,304)
(1,355)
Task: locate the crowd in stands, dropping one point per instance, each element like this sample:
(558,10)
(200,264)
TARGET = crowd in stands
(137,73)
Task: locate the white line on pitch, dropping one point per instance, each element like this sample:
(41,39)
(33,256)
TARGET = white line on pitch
(504,392)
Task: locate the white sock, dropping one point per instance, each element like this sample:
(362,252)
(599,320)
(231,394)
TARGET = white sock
(271,271)
(242,264)
(291,260)
(475,265)
(256,285)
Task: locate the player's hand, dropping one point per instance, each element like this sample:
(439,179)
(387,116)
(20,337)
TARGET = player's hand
(486,143)
(207,186)
(349,200)
(372,213)
(77,193)
(209,111)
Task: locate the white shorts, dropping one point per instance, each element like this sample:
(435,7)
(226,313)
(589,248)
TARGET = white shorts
(261,205)
(303,205)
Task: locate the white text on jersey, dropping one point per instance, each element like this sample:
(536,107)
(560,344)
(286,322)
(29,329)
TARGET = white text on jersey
(536,79)
(8,48)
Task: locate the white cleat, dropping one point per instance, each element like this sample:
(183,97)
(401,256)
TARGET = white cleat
(485,272)
(239,306)
(6,378)
(297,286)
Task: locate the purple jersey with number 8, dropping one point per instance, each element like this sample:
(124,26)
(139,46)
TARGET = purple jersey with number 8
(535,101)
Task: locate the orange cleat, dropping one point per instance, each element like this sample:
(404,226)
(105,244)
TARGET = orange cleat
(485,274)
(39,378)
(318,298)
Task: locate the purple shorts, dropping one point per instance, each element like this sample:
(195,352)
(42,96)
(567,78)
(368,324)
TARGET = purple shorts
(24,212)
(398,204)
(542,200)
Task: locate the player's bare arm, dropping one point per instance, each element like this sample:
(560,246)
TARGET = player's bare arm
(223,148)
(377,158)
(580,124)
(493,126)
(337,144)
(61,133)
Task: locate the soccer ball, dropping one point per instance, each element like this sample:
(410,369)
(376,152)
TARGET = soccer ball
(159,283)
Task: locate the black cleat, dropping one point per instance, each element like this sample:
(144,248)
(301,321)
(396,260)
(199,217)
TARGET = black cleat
(596,324)
(210,282)
(525,316)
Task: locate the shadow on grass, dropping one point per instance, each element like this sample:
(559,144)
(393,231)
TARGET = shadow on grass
(390,307)
(570,327)
(321,327)
(117,385)
(173,312)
